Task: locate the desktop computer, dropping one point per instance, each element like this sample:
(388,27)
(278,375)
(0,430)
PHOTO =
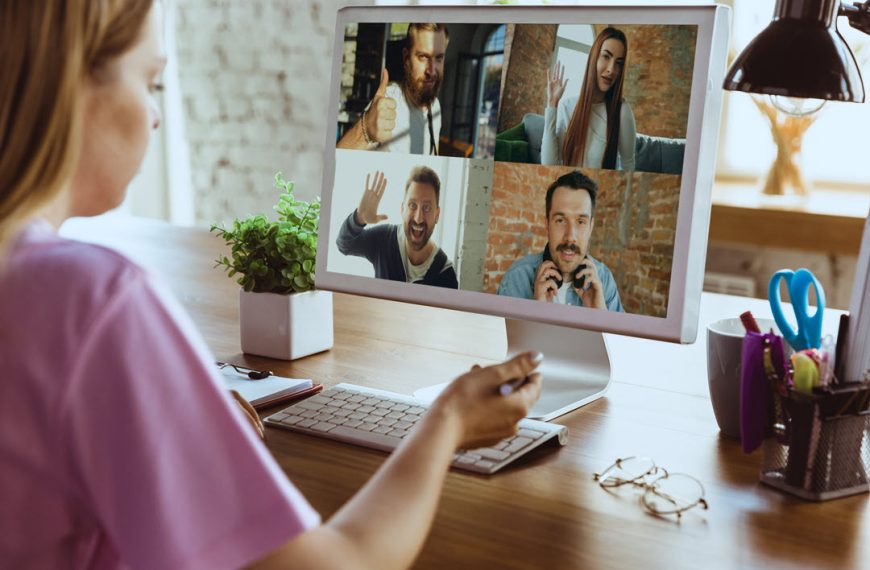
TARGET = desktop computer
(551,165)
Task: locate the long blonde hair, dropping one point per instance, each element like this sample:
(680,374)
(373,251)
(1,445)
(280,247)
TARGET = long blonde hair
(574,147)
(48,49)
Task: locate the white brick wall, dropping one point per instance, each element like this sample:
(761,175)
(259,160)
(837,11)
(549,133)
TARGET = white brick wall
(255,88)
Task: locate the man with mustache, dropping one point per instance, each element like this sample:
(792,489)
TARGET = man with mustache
(565,272)
(407,117)
(400,253)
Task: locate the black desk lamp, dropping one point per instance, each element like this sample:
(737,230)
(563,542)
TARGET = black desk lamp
(801,54)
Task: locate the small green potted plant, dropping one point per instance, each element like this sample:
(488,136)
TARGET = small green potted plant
(281,314)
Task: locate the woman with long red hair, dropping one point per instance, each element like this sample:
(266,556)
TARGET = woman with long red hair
(596,129)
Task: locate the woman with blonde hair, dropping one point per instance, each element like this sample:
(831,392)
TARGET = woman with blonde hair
(596,129)
(119,447)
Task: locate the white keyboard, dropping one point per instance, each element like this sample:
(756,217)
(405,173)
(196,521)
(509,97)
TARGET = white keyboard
(380,420)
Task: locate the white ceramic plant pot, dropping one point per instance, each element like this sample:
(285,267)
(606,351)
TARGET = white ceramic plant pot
(286,327)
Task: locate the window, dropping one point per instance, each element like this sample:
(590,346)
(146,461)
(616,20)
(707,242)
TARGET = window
(488,97)
(572,51)
(834,150)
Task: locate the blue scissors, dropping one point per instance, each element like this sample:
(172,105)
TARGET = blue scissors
(809,327)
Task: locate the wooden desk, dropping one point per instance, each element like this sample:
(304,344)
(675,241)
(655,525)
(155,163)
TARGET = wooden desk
(544,511)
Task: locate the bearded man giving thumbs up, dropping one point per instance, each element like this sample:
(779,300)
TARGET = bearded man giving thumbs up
(406,117)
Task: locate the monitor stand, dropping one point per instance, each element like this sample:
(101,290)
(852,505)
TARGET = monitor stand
(576,367)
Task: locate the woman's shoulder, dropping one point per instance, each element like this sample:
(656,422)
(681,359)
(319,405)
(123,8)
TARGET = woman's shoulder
(76,276)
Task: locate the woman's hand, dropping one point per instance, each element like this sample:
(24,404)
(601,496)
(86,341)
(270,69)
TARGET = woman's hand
(481,414)
(556,83)
(250,413)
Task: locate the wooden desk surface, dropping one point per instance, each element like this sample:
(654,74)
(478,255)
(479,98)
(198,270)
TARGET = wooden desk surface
(545,511)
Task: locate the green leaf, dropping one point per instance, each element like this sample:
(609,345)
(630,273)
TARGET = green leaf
(269,256)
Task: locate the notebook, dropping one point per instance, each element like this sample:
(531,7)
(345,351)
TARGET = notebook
(269,391)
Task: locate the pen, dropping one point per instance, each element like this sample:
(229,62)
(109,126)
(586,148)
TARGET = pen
(749,322)
(840,350)
(514,384)
(510,386)
(828,360)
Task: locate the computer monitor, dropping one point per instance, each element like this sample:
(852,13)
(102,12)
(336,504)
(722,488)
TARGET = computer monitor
(551,165)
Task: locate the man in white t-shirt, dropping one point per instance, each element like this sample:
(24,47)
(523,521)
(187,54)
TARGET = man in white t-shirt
(406,117)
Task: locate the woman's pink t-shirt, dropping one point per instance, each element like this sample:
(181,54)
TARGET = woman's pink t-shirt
(118,446)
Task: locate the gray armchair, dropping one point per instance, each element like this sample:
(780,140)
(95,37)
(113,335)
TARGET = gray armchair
(652,154)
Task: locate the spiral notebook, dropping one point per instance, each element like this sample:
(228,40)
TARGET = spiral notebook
(269,391)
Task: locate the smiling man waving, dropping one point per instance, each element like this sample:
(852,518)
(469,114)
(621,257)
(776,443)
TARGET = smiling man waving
(400,253)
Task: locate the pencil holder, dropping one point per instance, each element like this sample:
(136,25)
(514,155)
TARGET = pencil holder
(825,450)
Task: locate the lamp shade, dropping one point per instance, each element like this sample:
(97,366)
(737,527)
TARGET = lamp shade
(800,54)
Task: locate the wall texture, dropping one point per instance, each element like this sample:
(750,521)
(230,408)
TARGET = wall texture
(528,49)
(635,221)
(835,271)
(658,77)
(255,86)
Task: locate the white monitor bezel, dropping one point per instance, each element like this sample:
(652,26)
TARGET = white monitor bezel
(690,242)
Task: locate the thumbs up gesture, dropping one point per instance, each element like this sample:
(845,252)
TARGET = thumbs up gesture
(380,119)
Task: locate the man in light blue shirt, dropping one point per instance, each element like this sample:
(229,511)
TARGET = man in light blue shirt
(565,272)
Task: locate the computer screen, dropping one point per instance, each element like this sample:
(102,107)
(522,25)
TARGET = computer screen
(544,164)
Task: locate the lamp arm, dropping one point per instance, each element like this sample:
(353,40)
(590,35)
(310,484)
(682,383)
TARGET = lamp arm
(858,14)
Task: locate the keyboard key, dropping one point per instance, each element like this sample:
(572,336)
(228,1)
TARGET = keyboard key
(292,420)
(494,454)
(371,401)
(307,423)
(351,406)
(324,426)
(400,407)
(382,429)
(357,398)
(517,444)
(381,412)
(396,415)
(366,439)
(413,418)
(365,409)
(384,404)
(308,405)
(341,413)
(398,433)
(485,464)
(353,423)
(367,426)
(402,424)
(416,410)
(387,422)
(323,417)
(319,399)
(465,460)
(530,433)
(309,413)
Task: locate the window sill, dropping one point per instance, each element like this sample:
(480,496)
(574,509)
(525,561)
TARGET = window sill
(826,220)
